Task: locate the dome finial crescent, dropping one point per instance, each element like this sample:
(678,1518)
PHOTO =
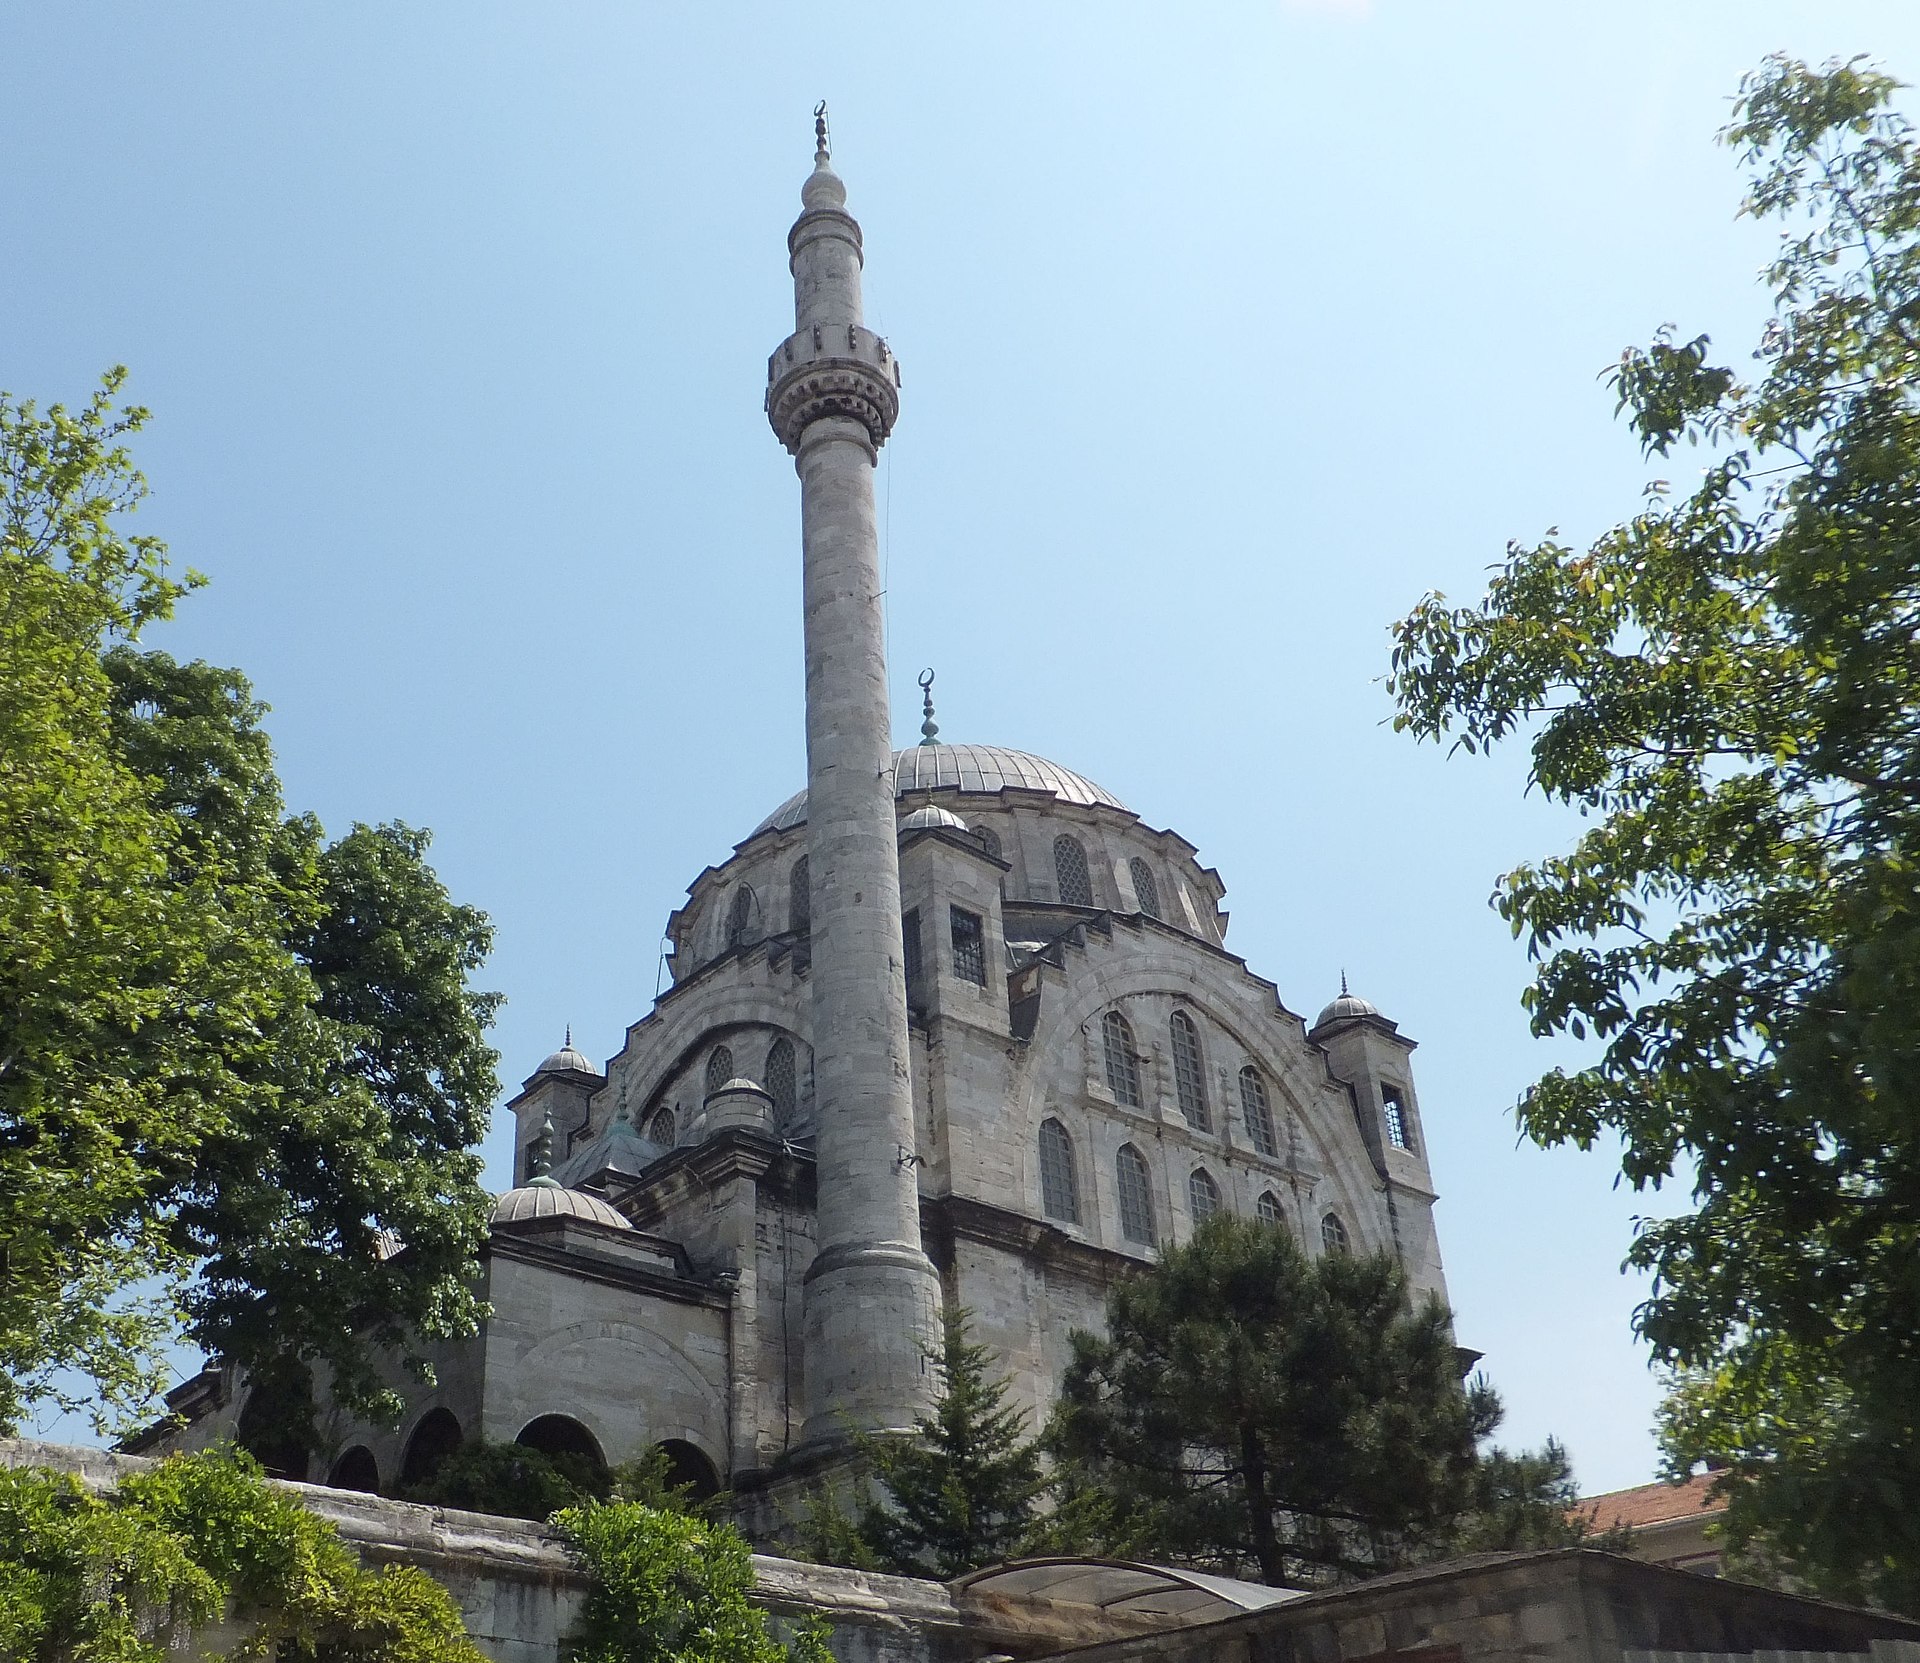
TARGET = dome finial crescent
(929,728)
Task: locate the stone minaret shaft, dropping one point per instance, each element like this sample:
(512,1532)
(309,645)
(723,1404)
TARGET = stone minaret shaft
(871,1294)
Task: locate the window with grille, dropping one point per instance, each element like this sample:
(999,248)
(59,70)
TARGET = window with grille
(1203,1195)
(1256,1113)
(799,896)
(1144,887)
(719,1068)
(1059,1194)
(969,946)
(1399,1133)
(1267,1210)
(1136,1195)
(782,1083)
(910,955)
(1189,1076)
(660,1128)
(1333,1234)
(740,915)
(1070,871)
(1123,1063)
(988,839)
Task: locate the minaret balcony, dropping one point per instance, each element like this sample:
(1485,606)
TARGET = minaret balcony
(832,369)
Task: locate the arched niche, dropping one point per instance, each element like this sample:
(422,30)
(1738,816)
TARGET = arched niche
(356,1470)
(687,1465)
(562,1435)
(433,1440)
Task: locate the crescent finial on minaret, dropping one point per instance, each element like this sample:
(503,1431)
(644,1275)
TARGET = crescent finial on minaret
(929,728)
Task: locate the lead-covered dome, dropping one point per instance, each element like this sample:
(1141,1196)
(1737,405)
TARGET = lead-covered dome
(543,1198)
(986,769)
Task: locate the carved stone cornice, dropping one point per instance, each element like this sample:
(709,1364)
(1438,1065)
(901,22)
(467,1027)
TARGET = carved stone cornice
(828,370)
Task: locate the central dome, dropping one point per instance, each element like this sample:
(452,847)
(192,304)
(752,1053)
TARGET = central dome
(983,769)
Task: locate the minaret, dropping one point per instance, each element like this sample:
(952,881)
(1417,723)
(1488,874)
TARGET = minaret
(871,1294)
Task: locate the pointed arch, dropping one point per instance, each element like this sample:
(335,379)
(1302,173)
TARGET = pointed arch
(782,1081)
(1203,1195)
(1122,1059)
(1267,1210)
(1255,1110)
(1144,888)
(1059,1193)
(1070,871)
(800,897)
(1134,1186)
(1189,1071)
(1333,1234)
(719,1068)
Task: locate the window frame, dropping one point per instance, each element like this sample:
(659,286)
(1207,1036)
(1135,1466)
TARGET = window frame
(1059,1177)
(969,956)
(1334,1237)
(1081,872)
(1122,1058)
(1189,1070)
(1132,1176)
(1269,1211)
(1204,1199)
(1256,1110)
(717,1077)
(1146,888)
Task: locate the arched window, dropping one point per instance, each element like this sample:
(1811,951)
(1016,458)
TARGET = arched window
(1123,1064)
(1333,1234)
(740,915)
(1136,1195)
(988,839)
(356,1470)
(719,1068)
(1189,1075)
(782,1082)
(1393,1104)
(1203,1195)
(1253,1108)
(1144,887)
(1267,1210)
(660,1128)
(1059,1194)
(1070,871)
(799,897)
(434,1439)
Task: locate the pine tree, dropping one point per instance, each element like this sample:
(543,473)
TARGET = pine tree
(962,1490)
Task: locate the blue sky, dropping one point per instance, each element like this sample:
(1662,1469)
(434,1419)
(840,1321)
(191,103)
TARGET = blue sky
(1228,331)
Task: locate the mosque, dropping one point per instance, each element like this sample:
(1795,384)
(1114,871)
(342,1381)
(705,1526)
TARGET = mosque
(953,1025)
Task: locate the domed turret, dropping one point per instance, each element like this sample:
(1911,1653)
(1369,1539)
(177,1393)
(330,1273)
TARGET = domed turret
(567,1060)
(1345,1008)
(931,818)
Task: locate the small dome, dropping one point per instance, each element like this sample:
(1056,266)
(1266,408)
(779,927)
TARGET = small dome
(1346,1007)
(739,1083)
(543,1198)
(928,818)
(565,1061)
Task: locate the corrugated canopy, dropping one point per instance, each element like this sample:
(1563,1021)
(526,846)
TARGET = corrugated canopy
(1120,1585)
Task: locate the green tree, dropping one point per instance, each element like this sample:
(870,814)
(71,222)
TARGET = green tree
(963,1490)
(671,1588)
(130,1576)
(1728,685)
(1297,1419)
(240,1068)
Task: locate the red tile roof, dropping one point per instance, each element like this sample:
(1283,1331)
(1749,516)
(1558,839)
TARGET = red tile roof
(1659,1503)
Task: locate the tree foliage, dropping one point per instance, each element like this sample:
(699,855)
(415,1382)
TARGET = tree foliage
(964,1490)
(130,1576)
(1300,1420)
(238,1064)
(1728,683)
(671,1588)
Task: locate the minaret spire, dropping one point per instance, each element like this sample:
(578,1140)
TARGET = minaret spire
(872,1296)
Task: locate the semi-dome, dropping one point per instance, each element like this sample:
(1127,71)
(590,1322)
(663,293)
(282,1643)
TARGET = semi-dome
(983,769)
(543,1198)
